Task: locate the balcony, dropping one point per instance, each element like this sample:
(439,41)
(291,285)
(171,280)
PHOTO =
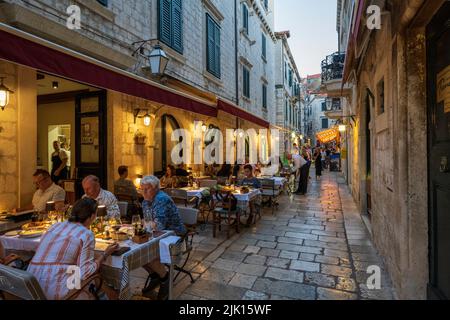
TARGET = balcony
(333,108)
(332,73)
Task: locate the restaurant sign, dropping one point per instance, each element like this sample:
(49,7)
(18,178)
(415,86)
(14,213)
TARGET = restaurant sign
(443,88)
(328,135)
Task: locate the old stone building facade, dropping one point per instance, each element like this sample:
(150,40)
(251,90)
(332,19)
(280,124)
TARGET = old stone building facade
(288,93)
(396,133)
(204,80)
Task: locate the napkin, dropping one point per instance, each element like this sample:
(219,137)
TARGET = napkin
(164,248)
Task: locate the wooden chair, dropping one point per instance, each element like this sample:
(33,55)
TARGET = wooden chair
(207,183)
(19,284)
(133,206)
(180,196)
(206,206)
(271,192)
(189,217)
(225,210)
(123,207)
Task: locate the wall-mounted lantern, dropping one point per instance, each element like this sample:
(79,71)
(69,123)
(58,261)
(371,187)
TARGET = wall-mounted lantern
(146,117)
(4,94)
(158,60)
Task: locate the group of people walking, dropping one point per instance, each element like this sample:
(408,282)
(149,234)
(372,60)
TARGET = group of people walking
(303,159)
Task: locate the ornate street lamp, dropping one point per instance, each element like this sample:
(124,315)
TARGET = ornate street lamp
(158,60)
(4,94)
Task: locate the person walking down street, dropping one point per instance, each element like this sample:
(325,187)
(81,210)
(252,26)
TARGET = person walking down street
(304,174)
(318,163)
(59,163)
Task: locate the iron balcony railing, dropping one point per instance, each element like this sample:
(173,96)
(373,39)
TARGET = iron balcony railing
(333,67)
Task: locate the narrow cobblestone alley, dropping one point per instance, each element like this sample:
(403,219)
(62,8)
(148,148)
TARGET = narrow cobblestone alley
(314,247)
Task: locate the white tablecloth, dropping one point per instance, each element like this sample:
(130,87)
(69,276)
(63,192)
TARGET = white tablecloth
(279,181)
(115,270)
(195,192)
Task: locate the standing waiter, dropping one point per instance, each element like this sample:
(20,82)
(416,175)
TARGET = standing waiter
(59,163)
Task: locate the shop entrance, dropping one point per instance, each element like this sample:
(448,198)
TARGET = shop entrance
(438,65)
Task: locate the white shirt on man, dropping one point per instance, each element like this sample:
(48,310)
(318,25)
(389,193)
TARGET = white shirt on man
(53,193)
(109,200)
(299,161)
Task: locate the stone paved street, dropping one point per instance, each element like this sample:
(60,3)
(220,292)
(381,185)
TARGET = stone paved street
(314,247)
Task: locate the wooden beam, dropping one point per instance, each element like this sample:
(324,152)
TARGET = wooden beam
(59,97)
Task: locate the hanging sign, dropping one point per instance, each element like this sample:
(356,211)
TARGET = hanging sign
(328,135)
(443,88)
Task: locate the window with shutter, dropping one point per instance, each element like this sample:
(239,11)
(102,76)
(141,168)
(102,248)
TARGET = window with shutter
(212,46)
(264,96)
(177,25)
(171,24)
(246,80)
(324,123)
(264,45)
(245,18)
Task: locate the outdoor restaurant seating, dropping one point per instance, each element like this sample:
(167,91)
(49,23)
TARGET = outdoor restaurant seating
(271,192)
(180,196)
(225,212)
(189,217)
(20,284)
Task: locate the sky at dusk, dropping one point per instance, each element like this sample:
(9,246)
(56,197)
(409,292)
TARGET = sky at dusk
(313,30)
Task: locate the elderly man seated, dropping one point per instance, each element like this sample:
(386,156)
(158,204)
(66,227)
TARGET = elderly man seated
(93,190)
(162,211)
(47,191)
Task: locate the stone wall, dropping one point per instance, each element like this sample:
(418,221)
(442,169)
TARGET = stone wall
(18,141)
(398,148)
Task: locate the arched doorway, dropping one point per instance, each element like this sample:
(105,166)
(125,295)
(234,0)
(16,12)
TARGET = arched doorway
(163,132)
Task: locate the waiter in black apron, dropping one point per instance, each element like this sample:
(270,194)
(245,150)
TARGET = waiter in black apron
(59,163)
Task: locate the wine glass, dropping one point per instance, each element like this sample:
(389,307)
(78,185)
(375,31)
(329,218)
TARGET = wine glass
(136,221)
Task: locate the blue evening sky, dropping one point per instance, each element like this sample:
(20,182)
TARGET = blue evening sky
(313,30)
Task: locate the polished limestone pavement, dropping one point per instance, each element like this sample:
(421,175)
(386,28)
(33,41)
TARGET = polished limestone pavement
(315,247)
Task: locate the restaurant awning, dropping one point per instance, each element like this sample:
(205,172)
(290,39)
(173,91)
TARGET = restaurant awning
(234,110)
(34,52)
(328,135)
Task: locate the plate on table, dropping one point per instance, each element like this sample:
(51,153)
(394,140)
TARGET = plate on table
(31,233)
(12,233)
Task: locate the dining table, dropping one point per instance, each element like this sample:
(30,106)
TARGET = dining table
(115,270)
(279,181)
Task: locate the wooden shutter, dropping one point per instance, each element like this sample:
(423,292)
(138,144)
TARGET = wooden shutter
(245,18)
(177,25)
(213,46)
(264,45)
(264,92)
(165,22)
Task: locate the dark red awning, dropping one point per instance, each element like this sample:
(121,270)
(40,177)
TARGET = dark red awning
(240,113)
(38,56)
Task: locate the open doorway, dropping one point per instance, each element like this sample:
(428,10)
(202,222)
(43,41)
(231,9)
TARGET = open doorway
(64,106)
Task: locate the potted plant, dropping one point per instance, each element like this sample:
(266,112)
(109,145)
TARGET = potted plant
(139,138)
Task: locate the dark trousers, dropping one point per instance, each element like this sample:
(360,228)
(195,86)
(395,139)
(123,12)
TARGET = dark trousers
(304,177)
